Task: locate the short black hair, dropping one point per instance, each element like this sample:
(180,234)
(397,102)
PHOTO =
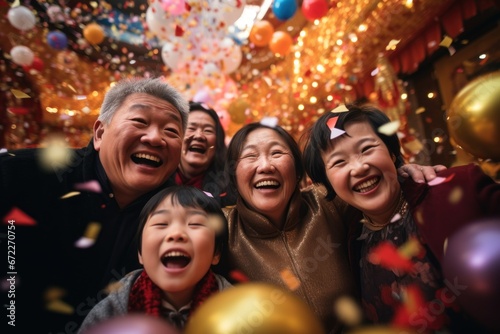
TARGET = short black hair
(185,196)
(317,140)
(238,140)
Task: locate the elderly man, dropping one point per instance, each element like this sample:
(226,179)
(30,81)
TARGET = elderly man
(75,246)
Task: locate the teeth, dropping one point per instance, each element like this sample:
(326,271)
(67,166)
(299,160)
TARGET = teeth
(147,156)
(175,253)
(366,185)
(267,183)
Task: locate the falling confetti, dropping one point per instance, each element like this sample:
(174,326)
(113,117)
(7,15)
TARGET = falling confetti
(269,121)
(334,131)
(19,94)
(19,217)
(348,311)
(446,41)
(439,180)
(456,195)
(386,255)
(54,293)
(291,281)
(92,186)
(89,236)
(340,108)
(70,194)
(56,154)
(238,276)
(58,306)
(390,128)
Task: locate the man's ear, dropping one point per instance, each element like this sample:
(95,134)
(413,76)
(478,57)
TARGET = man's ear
(393,156)
(140,258)
(216,258)
(98,132)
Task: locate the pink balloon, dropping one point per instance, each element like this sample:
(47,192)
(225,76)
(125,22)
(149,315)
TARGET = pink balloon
(174,7)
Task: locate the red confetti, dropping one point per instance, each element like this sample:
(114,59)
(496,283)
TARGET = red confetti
(386,255)
(238,276)
(19,217)
(331,122)
(179,32)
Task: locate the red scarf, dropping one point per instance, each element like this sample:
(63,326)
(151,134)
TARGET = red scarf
(145,296)
(196,181)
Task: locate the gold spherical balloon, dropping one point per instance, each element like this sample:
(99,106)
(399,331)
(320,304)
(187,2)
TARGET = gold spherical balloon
(254,308)
(474,117)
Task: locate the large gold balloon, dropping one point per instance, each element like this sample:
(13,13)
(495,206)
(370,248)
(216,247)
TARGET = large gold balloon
(256,308)
(474,117)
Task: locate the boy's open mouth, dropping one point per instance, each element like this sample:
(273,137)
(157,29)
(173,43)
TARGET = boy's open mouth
(175,259)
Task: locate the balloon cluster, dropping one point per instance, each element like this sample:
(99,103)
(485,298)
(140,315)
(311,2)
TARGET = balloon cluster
(193,34)
(22,18)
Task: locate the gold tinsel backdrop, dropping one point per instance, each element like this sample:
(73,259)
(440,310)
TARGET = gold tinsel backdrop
(308,57)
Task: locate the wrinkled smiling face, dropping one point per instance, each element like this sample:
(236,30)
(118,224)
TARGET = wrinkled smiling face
(178,245)
(140,147)
(198,148)
(265,173)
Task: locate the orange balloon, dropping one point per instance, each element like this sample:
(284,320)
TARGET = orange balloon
(280,43)
(261,33)
(93,33)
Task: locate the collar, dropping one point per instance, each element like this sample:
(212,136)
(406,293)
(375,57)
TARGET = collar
(196,181)
(260,226)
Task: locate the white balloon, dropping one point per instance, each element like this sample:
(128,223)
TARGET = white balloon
(210,69)
(172,54)
(22,55)
(233,60)
(161,28)
(21,18)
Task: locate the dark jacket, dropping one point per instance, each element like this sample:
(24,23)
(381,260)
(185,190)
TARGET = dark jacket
(51,270)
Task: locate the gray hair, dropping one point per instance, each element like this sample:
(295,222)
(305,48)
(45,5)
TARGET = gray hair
(152,86)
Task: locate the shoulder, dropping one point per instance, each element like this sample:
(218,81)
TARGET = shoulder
(222,282)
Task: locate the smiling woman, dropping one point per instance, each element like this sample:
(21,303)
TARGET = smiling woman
(279,234)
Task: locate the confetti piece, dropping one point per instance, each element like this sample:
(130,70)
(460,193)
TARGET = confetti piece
(58,306)
(334,131)
(332,122)
(269,121)
(113,287)
(92,186)
(419,110)
(439,180)
(84,242)
(456,195)
(92,230)
(419,217)
(53,293)
(390,128)
(70,194)
(386,255)
(19,94)
(238,276)
(291,281)
(217,223)
(3,150)
(340,108)
(19,217)
(208,194)
(348,311)
(55,154)
(446,41)
(410,248)
(445,246)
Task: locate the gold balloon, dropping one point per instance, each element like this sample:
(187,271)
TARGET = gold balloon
(237,110)
(474,117)
(256,308)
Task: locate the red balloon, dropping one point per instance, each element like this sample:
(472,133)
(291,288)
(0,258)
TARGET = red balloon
(471,264)
(314,9)
(36,65)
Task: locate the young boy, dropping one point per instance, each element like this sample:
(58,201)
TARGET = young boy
(182,231)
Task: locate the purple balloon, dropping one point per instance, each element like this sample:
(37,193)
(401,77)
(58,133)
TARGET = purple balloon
(57,40)
(471,266)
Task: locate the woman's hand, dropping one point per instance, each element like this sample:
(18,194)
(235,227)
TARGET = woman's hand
(420,174)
